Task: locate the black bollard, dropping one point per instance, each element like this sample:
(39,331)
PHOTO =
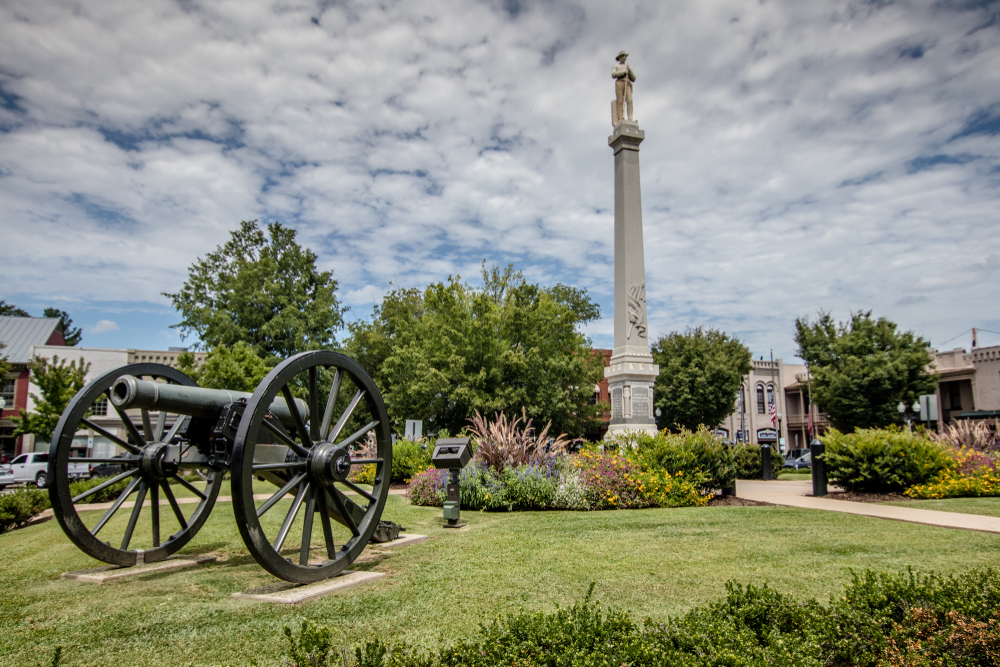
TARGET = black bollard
(816,449)
(765,461)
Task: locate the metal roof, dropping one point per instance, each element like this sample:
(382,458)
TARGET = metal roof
(18,334)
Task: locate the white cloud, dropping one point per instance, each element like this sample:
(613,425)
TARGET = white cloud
(798,156)
(103,326)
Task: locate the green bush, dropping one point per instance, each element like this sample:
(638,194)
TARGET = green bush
(531,487)
(20,506)
(410,458)
(702,458)
(749,463)
(105,495)
(882,460)
(881,619)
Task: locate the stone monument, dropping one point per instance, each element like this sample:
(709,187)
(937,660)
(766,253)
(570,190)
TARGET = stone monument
(631,371)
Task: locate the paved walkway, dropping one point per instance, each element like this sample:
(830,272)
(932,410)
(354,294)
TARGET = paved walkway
(799,494)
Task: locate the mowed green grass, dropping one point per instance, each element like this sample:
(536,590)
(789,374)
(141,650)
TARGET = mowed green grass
(655,563)
(984,506)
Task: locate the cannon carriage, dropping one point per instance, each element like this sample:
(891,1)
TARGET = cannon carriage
(298,436)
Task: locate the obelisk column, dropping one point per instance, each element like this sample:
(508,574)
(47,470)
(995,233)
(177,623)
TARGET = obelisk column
(631,371)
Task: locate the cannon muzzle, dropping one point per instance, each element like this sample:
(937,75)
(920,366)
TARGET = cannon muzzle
(131,392)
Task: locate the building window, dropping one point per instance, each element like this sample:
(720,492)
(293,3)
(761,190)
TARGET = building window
(760,400)
(770,394)
(7,391)
(100,408)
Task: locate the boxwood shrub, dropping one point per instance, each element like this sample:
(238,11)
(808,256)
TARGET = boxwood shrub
(883,460)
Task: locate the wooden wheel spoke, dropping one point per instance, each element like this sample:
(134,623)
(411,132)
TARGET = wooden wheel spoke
(154,505)
(134,518)
(161,423)
(314,423)
(356,462)
(147,426)
(93,460)
(173,504)
(100,487)
(117,504)
(190,487)
(110,436)
(357,434)
(288,465)
(358,490)
(300,426)
(347,415)
(295,481)
(285,440)
(338,500)
(324,519)
(176,426)
(129,426)
(331,403)
(290,517)
(307,526)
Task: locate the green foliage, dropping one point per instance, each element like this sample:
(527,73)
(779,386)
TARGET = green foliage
(10,310)
(58,382)
(442,354)
(236,367)
(312,646)
(701,457)
(72,336)
(410,458)
(862,369)
(882,460)
(750,464)
(21,505)
(531,487)
(5,365)
(261,289)
(880,618)
(700,372)
(105,495)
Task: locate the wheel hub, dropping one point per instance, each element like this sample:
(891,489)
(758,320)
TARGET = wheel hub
(329,463)
(155,462)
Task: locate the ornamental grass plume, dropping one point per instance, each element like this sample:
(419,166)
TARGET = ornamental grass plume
(969,435)
(504,443)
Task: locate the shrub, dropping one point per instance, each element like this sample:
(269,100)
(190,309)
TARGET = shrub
(531,487)
(703,458)
(409,458)
(883,460)
(105,495)
(20,506)
(426,488)
(971,435)
(503,443)
(749,463)
(571,491)
(661,489)
(481,488)
(951,484)
(610,481)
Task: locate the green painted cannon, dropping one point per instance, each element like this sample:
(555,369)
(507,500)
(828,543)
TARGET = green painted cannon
(289,448)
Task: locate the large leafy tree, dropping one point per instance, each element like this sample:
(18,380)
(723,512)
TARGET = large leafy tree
(444,353)
(700,372)
(72,335)
(58,382)
(263,289)
(861,369)
(10,310)
(237,368)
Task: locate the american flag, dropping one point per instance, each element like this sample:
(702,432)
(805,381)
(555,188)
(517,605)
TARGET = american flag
(774,415)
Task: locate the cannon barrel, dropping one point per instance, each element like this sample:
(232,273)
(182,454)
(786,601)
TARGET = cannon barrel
(131,392)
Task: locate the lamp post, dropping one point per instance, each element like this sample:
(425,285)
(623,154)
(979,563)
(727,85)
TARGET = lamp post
(781,444)
(906,417)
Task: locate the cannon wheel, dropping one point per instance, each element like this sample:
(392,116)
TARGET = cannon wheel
(101,535)
(313,470)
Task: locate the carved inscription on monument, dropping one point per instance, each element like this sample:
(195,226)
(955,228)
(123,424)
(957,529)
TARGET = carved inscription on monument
(640,400)
(616,403)
(637,310)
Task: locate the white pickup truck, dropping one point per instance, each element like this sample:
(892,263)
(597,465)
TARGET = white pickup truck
(34,468)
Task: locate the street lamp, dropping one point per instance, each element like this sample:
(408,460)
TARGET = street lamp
(906,417)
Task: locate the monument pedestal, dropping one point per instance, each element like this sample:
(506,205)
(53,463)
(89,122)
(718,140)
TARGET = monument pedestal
(631,371)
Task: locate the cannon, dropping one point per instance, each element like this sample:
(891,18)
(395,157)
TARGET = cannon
(288,448)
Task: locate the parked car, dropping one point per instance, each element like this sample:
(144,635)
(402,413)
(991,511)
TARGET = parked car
(107,469)
(34,468)
(804,461)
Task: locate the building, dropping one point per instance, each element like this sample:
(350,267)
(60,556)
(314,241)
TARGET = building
(101,361)
(968,384)
(19,335)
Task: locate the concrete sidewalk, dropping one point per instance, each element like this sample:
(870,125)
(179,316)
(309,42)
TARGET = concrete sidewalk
(799,494)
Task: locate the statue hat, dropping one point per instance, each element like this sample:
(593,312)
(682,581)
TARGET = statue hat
(621,53)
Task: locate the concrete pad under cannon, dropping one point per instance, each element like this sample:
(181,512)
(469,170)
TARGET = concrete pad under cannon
(106,573)
(401,541)
(285,592)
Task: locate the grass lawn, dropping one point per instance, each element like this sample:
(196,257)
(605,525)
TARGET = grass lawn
(984,506)
(652,562)
(795,476)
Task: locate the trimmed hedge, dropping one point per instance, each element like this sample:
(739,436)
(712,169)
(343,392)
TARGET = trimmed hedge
(883,460)
(881,619)
(21,506)
(750,464)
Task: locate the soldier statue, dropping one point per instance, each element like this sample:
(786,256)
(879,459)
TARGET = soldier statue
(623,76)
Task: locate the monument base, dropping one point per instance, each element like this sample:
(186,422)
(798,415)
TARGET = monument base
(630,383)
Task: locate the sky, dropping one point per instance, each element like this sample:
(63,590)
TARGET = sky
(799,156)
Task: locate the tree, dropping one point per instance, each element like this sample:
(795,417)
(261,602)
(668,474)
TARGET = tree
(701,371)
(237,368)
(10,310)
(5,365)
(59,382)
(444,353)
(70,335)
(862,369)
(261,289)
